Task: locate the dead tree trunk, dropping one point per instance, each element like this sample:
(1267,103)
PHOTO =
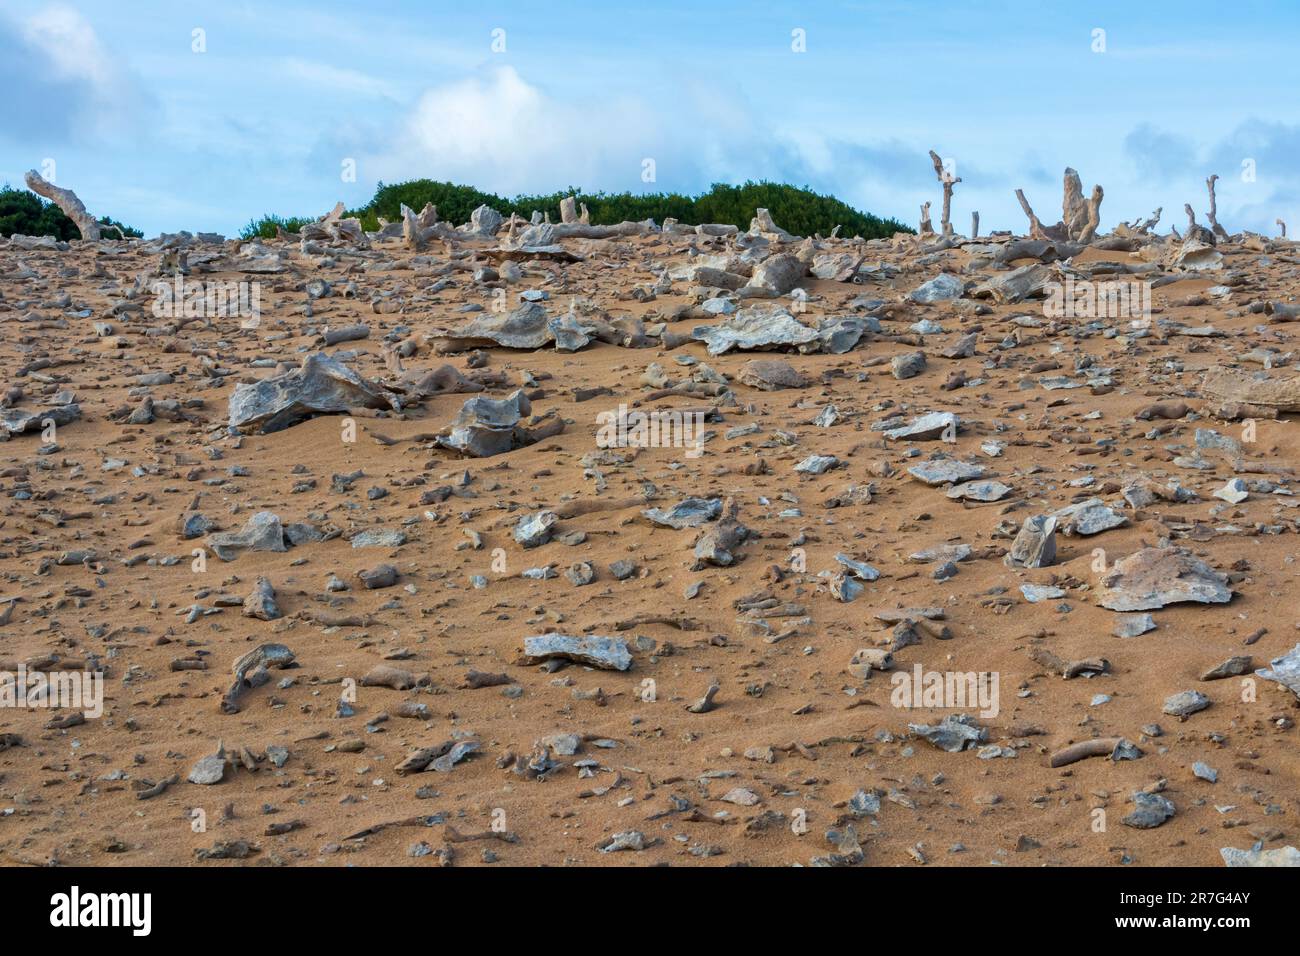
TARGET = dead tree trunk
(1074,210)
(1196,231)
(66,200)
(947,180)
(1212,216)
(1035,226)
(1281,225)
(1093,209)
(974,224)
(926,228)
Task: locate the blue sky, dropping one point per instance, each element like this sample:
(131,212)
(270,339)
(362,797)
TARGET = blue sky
(288,95)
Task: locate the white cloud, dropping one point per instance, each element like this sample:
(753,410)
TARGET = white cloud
(71,86)
(70,43)
(503,134)
(338,79)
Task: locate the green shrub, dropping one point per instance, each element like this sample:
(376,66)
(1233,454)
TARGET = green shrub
(800,211)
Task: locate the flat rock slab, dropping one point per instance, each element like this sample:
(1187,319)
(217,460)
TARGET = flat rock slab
(1279,856)
(322,386)
(688,513)
(945,471)
(262,532)
(953,734)
(941,288)
(1185,703)
(926,427)
(1285,670)
(527,327)
(1088,518)
(1280,391)
(980,491)
(751,329)
(1131,625)
(1155,577)
(19,420)
(771,375)
(607,653)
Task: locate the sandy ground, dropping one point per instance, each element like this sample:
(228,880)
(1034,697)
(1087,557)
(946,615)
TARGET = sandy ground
(794,728)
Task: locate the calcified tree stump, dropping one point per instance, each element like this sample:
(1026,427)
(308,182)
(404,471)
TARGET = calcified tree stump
(947,180)
(974,224)
(66,200)
(1144,226)
(1212,215)
(1035,226)
(1074,210)
(1093,220)
(1080,217)
(1281,225)
(926,229)
(1195,230)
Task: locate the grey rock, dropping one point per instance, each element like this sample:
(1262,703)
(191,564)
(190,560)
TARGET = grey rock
(717,544)
(323,385)
(980,491)
(380,576)
(527,327)
(580,574)
(941,288)
(864,803)
(1034,593)
(943,553)
(1035,544)
(195,525)
(754,328)
(607,653)
(484,222)
(627,840)
(816,464)
(19,420)
(776,275)
(907,365)
(925,428)
(260,602)
(458,752)
(1279,856)
(835,336)
(1131,625)
(770,375)
(954,733)
(262,532)
(209,770)
(379,538)
(844,588)
(859,569)
(944,471)
(489,426)
(1088,518)
(1016,285)
(1234,492)
(1154,577)
(1185,703)
(569,334)
(1285,670)
(688,513)
(1232,667)
(535,530)
(1151,810)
